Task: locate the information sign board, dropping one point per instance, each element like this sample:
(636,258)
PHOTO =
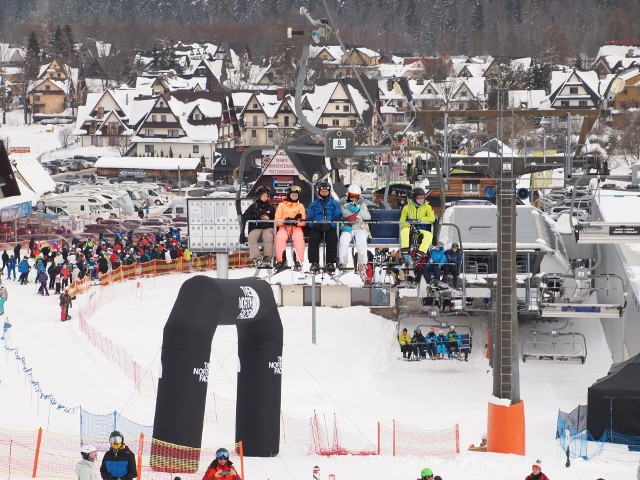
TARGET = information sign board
(213,224)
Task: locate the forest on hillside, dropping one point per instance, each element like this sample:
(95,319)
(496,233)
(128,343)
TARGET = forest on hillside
(549,30)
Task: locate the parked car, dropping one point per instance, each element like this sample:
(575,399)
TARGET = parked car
(72,176)
(609,186)
(73,166)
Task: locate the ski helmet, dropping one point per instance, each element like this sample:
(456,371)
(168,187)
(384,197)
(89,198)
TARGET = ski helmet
(87,452)
(293,189)
(354,191)
(262,189)
(440,245)
(416,192)
(222,453)
(323,185)
(426,472)
(455,245)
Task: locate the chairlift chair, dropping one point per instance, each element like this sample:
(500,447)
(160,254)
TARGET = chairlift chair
(555,298)
(554,346)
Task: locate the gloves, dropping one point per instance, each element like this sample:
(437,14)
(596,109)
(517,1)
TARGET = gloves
(352,208)
(322,227)
(298,216)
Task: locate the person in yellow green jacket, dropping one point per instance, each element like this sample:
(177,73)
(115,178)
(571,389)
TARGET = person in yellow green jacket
(417,211)
(405,343)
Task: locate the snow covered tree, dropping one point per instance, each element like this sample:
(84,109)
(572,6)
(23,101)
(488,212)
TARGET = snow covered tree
(477,17)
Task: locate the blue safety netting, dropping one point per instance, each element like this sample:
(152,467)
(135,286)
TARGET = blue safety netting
(96,429)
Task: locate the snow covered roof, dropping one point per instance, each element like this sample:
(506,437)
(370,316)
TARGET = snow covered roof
(334,50)
(619,51)
(526,98)
(148,163)
(35,176)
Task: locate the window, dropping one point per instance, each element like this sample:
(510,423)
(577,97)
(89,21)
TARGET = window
(47,87)
(573,90)
(400,103)
(148,149)
(196,149)
(149,132)
(345,108)
(269,133)
(173,133)
(153,118)
(471,186)
(163,118)
(582,103)
(179,210)
(352,122)
(254,133)
(197,116)
(338,107)
(255,120)
(335,122)
(398,117)
(564,103)
(255,105)
(286,121)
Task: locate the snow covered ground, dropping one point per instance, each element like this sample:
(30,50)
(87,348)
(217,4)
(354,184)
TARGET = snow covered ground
(355,358)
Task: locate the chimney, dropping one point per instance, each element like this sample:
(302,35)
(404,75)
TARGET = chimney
(281,94)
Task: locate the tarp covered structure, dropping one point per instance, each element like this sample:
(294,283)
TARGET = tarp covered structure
(614,401)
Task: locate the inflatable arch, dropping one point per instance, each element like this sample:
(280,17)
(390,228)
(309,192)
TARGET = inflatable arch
(203,303)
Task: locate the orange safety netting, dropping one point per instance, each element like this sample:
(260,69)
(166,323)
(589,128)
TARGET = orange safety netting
(41,454)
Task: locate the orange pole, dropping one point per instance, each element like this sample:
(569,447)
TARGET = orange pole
(457,438)
(140,450)
(506,428)
(393,436)
(241,448)
(35,459)
(378,438)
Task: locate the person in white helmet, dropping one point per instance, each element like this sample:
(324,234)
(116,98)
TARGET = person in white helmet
(354,214)
(85,469)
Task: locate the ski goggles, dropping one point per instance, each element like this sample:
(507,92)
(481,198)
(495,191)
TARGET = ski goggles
(221,455)
(295,189)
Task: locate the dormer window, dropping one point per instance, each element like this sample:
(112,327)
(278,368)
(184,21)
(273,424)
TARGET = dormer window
(573,90)
(197,116)
(255,105)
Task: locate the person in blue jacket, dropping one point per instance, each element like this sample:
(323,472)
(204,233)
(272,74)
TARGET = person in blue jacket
(118,462)
(23,268)
(453,263)
(321,214)
(441,344)
(11,267)
(454,343)
(430,339)
(434,264)
(39,268)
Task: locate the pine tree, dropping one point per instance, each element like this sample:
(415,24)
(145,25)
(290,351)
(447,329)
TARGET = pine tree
(32,57)
(578,63)
(477,17)
(535,77)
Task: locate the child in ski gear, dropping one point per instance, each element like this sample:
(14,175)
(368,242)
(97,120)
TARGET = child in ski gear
(11,267)
(441,344)
(260,209)
(118,461)
(320,213)
(43,279)
(84,468)
(221,468)
(405,343)
(434,263)
(24,268)
(4,294)
(417,211)
(355,212)
(290,216)
(65,305)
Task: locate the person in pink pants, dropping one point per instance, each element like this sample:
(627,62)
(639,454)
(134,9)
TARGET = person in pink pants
(290,216)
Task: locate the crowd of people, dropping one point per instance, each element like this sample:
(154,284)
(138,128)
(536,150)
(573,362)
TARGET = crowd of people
(57,265)
(337,223)
(434,345)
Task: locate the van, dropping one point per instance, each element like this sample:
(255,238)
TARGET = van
(87,206)
(176,209)
(56,207)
